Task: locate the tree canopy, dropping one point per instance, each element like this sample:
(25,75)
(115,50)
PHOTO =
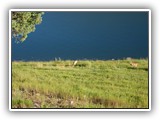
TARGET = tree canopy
(24,23)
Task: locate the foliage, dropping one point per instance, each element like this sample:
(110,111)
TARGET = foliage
(24,23)
(89,84)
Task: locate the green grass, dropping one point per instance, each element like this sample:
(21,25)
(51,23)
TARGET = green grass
(89,84)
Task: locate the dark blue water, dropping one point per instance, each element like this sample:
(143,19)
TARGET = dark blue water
(86,35)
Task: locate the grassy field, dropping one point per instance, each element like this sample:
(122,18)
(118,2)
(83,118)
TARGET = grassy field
(89,84)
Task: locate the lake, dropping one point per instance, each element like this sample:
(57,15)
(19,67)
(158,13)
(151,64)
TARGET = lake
(86,35)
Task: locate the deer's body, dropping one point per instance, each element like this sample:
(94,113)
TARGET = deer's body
(75,62)
(133,64)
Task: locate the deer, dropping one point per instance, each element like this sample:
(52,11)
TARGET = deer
(134,64)
(75,62)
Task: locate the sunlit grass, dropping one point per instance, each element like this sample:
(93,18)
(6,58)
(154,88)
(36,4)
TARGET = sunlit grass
(89,84)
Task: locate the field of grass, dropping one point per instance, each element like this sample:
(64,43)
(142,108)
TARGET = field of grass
(89,84)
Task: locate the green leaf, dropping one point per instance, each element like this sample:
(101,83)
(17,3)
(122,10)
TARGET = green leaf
(24,23)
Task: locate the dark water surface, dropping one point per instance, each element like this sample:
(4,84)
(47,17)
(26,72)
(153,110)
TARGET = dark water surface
(86,35)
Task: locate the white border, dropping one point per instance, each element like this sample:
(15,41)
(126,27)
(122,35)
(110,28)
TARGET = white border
(149,59)
(67,10)
(10,64)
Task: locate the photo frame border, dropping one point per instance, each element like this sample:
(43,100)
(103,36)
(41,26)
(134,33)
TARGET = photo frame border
(82,109)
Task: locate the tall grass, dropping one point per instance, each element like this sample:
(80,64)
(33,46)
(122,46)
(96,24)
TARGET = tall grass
(89,84)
